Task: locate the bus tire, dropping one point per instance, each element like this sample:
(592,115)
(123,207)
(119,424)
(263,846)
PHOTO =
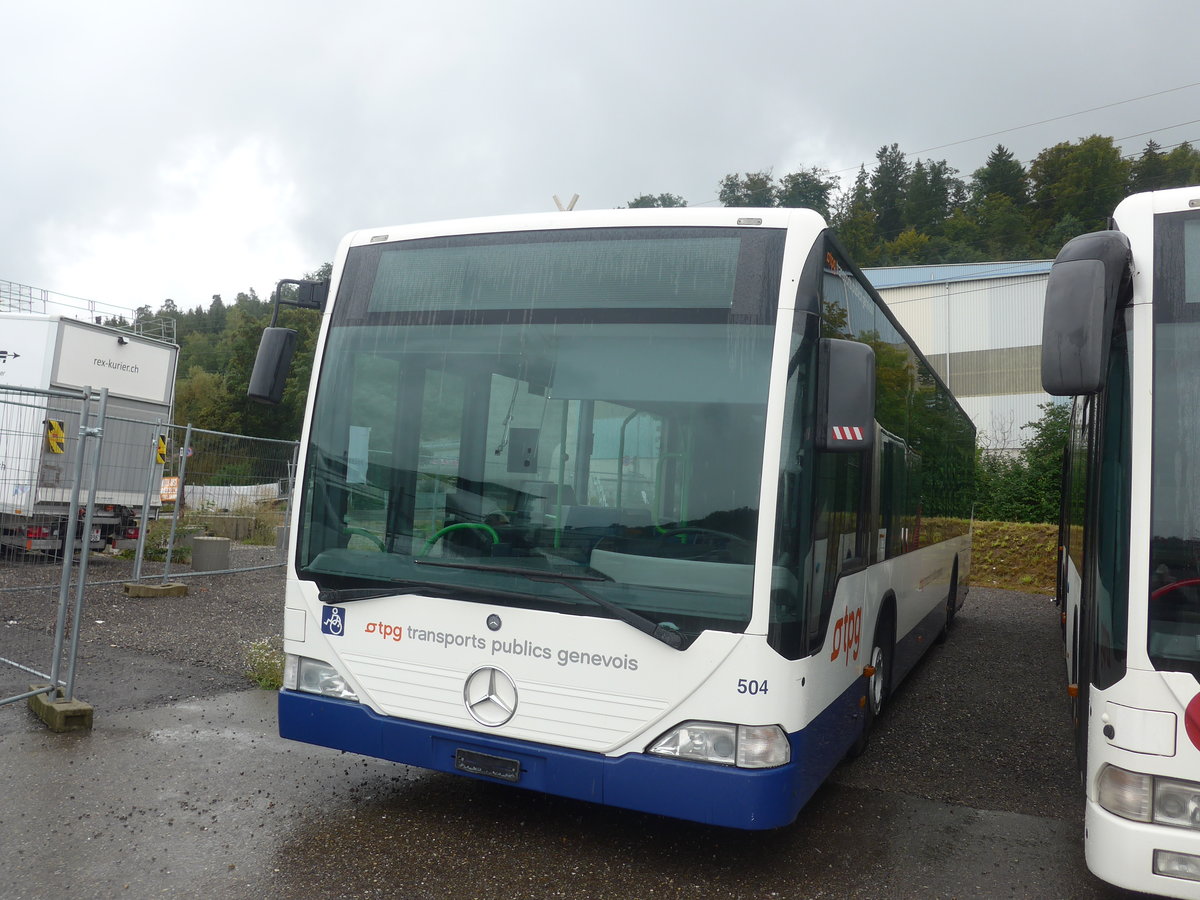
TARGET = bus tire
(879,682)
(951,605)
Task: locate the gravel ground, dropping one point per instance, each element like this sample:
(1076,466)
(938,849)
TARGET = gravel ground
(986,715)
(209,627)
(967,790)
(985,705)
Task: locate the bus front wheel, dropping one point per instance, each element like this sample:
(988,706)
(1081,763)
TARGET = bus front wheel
(879,682)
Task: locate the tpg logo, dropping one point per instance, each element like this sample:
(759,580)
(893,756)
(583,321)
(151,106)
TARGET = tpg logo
(847,635)
(334,621)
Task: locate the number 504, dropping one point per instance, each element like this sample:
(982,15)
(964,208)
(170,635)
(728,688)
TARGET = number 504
(750,686)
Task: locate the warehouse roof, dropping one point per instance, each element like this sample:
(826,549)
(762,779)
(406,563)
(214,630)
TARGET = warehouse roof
(904,276)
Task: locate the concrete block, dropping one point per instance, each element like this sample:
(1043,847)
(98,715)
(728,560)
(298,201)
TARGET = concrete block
(236,527)
(59,714)
(170,589)
(210,554)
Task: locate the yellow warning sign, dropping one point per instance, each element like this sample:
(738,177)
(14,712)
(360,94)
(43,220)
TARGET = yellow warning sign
(56,436)
(160,455)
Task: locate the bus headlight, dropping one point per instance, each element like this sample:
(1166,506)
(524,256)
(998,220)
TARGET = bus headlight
(1144,798)
(744,746)
(1176,803)
(1125,794)
(315,677)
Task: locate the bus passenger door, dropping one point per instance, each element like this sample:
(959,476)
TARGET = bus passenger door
(838,533)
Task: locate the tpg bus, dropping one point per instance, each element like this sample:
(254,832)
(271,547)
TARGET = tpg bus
(1122,334)
(650,508)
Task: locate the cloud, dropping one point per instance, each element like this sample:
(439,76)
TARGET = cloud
(222,220)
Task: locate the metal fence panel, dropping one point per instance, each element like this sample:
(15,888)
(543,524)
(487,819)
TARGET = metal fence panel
(80,474)
(229,486)
(50,457)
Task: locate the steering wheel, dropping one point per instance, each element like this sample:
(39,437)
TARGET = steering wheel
(672,532)
(442,532)
(369,535)
(1173,586)
(732,543)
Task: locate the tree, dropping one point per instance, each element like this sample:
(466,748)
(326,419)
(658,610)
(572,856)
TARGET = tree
(202,399)
(909,248)
(857,223)
(1001,175)
(1085,180)
(216,315)
(756,189)
(1026,486)
(1183,166)
(918,200)
(809,188)
(1003,230)
(930,195)
(1042,457)
(888,183)
(1149,171)
(650,201)
(1066,228)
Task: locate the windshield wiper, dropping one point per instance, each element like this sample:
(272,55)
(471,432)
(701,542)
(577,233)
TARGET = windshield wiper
(513,570)
(349,595)
(660,631)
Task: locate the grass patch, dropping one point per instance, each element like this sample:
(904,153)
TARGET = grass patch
(158,536)
(263,523)
(264,662)
(1015,556)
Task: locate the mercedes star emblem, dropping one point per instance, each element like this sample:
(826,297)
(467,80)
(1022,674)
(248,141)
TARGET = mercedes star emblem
(490,696)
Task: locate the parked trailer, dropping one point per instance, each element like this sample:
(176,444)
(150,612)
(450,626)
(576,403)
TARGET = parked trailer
(41,436)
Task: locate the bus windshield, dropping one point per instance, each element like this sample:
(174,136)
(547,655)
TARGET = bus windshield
(1174,639)
(526,411)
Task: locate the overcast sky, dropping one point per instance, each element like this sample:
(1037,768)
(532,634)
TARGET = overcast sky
(183,149)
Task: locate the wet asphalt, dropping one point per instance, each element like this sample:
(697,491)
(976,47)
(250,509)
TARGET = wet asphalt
(967,790)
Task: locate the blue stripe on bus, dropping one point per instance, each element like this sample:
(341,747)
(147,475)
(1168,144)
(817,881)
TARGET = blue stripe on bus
(700,792)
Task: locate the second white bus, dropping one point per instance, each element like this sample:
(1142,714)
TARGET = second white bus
(1122,334)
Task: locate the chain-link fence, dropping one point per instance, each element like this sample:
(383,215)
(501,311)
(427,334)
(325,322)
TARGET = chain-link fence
(171,501)
(229,499)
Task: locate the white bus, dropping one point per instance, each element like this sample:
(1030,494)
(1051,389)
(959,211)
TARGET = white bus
(649,508)
(1122,334)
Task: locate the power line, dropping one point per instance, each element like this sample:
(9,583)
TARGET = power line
(1058,118)
(1156,131)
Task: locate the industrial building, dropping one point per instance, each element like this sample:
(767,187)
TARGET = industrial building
(980,325)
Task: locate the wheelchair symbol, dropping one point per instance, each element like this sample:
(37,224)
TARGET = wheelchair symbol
(335,622)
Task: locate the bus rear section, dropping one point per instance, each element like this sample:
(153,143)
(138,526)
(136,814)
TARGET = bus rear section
(581,513)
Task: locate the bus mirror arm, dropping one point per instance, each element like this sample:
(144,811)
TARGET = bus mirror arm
(277,346)
(307,295)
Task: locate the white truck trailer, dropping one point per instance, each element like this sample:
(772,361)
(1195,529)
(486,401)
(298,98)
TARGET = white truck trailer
(39,434)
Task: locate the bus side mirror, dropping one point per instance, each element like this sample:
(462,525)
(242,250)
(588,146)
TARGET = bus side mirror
(845,396)
(1086,284)
(271,365)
